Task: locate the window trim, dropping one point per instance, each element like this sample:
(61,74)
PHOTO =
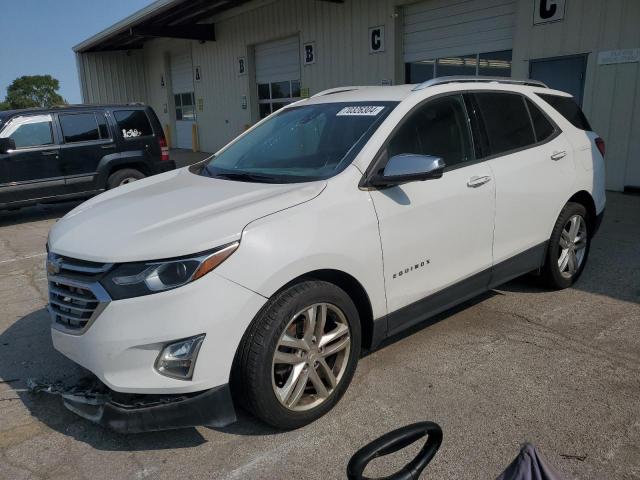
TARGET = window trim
(379,162)
(63,140)
(555,134)
(54,139)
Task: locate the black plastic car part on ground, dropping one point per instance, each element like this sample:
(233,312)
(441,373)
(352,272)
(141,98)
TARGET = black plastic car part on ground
(135,413)
(76,151)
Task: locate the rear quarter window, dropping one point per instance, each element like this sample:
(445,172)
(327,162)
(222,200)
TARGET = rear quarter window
(133,123)
(569,109)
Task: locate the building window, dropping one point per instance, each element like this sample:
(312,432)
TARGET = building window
(490,64)
(275,95)
(185,106)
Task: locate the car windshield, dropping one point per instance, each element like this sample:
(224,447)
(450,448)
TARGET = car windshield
(300,144)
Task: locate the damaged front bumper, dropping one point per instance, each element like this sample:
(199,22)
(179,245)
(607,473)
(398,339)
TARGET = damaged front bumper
(134,413)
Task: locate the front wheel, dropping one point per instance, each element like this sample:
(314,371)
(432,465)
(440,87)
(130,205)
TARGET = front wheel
(299,355)
(568,247)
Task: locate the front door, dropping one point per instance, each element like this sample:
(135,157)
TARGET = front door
(33,169)
(562,73)
(437,234)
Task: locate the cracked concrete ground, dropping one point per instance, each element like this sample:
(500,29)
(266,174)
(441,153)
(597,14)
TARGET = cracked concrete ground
(559,369)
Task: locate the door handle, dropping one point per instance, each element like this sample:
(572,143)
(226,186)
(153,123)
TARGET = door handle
(106,147)
(475,182)
(50,152)
(558,155)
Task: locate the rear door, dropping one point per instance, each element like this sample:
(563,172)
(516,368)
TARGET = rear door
(86,139)
(33,169)
(533,172)
(437,233)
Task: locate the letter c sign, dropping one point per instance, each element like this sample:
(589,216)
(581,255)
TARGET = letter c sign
(376,39)
(546,11)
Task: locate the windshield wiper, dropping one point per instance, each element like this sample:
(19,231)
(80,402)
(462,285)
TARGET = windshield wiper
(244,177)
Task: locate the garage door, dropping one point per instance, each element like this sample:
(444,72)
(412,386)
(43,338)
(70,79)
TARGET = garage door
(182,85)
(472,37)
(277,74)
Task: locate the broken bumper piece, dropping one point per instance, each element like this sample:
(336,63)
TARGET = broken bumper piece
(133,413)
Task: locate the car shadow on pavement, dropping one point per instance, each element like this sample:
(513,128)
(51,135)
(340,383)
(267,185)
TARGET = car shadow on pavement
(27,352)
(44,211)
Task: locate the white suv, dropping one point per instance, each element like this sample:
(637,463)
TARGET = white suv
(259,276)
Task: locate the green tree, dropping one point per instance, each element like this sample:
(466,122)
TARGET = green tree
(33,91)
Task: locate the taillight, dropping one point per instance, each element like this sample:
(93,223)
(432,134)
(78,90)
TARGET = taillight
(600,145)
(164,148)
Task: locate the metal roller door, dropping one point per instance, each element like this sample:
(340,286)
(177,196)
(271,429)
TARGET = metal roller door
(277,74)
(472,37)
(184,98)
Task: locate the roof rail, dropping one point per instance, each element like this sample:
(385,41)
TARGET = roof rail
(472,79)
(331,91)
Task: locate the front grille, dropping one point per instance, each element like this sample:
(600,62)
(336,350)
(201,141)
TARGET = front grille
(75,296)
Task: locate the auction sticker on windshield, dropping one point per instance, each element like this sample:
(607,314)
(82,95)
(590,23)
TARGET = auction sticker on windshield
(367,110)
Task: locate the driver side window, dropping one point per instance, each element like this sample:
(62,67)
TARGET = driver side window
(438,128)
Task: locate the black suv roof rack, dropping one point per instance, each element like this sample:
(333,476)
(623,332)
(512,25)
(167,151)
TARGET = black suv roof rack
(472,79)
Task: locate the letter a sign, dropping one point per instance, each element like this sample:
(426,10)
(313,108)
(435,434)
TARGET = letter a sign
(547,11)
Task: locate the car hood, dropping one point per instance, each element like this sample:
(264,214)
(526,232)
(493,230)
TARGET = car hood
(169,215)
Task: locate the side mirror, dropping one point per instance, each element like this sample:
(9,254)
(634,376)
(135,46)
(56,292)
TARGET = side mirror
(409,167)
(7,144)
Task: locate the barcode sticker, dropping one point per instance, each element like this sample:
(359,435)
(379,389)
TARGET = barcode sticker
(366,110)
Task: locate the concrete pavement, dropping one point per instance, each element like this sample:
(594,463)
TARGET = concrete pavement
(559,369)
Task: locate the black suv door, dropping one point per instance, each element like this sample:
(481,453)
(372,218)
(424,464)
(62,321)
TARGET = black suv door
(86,139)
(32,170)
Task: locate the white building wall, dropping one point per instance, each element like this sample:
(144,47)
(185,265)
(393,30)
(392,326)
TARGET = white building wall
(612,92)
(112,77)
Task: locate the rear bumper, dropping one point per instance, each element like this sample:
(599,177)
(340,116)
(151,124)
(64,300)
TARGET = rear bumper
(147,413)
(164,166)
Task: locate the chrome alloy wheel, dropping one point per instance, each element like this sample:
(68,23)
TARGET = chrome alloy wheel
(311,356)
(573,244)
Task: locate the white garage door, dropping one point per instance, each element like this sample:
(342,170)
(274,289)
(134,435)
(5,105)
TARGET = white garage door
(277,74)
(182,85)
(472,37)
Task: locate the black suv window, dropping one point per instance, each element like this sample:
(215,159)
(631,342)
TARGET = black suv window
(133,123)
(506,121)
(79,127)
(438,128)
(569,109)
(541,124)
(29,130)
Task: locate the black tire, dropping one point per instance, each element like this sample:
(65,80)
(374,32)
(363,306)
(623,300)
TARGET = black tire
(551,276)
(253,366)
(121,177)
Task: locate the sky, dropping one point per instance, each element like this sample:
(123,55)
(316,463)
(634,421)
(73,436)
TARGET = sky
(37,36)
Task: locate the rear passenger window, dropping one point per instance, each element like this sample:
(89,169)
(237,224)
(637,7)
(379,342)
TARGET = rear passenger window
(133,123)
(506,121)
(569,109)
(541,124)
(79,127)
(438,128)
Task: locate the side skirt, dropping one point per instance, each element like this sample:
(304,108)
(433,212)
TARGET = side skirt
(412,314)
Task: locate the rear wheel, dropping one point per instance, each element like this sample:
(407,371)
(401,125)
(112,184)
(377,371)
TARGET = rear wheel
(299,355)
(123,177)
(568,247)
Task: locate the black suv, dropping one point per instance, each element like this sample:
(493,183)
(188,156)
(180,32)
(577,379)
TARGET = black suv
(77,151)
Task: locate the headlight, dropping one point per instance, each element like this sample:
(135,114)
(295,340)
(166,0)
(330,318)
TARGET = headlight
(144,278)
